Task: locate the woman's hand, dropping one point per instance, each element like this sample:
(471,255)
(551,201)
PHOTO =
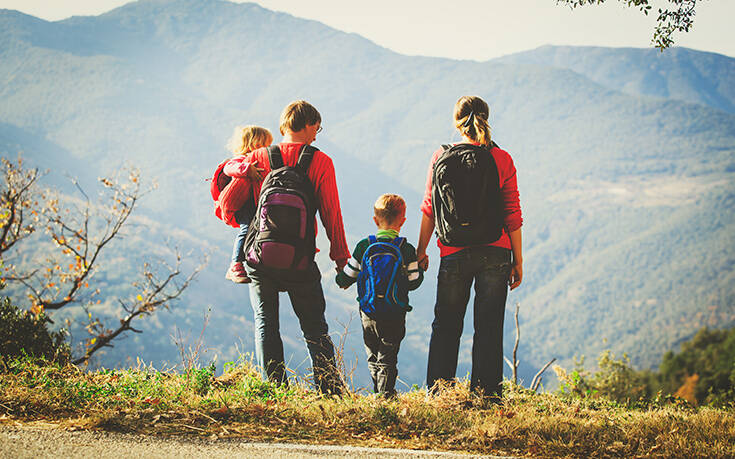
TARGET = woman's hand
(427,227)
(423,261)
(516,275)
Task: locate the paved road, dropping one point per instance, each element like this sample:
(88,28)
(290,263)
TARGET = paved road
(42,440)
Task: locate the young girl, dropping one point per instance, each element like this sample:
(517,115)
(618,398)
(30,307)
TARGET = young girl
(244,141)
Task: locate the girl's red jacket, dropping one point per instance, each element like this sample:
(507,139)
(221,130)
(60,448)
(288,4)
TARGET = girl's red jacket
(231,196)
(508,189)
(322,176)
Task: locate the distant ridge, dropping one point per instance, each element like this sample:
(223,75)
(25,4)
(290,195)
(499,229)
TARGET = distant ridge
(676,73)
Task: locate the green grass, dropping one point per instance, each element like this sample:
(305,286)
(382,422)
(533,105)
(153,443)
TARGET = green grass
(242,404)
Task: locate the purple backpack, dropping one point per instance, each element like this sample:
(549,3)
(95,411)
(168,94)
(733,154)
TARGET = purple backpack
(281,237)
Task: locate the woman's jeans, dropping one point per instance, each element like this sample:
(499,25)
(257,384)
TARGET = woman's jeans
(489,268)
(307,300)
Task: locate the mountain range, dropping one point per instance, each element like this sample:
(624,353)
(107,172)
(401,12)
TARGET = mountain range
(625,162)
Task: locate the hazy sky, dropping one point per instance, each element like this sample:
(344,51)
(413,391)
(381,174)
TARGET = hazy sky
(481,30)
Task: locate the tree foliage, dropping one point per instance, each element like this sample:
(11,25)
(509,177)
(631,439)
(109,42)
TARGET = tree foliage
(22,332)
(703,372)
(78,230)
(678,17)
(710,356)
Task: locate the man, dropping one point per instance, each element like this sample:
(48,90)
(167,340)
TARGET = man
(299,124)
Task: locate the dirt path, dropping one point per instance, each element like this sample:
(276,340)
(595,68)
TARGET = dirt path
(47,440)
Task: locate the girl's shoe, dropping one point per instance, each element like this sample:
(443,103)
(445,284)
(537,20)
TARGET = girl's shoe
(237,273)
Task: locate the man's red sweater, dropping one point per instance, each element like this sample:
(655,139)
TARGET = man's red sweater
(321,174)
(508,190)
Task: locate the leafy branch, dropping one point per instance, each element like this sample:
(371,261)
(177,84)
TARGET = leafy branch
(80,230)
(157,291)
(678,18)
(18,202)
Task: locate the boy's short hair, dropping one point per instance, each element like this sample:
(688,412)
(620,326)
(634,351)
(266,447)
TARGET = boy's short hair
(389,207)
(297,115)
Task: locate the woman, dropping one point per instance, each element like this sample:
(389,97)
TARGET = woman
(490,256)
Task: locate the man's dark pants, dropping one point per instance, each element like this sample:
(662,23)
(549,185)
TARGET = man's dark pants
(307,300)
(382,337)
(489,268)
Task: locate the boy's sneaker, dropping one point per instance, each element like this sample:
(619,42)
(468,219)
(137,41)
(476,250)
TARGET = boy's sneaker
(237,273)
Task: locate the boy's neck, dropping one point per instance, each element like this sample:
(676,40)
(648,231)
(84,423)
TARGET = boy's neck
(388,231)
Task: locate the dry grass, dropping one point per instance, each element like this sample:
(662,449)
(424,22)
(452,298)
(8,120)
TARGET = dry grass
(241,404)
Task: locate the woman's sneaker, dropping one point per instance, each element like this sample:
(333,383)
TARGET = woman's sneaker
(237,273)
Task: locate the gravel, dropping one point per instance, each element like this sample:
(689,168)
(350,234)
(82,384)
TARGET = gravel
(46,440)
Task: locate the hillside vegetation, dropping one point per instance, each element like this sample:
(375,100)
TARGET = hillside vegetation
(627,191)
(241,404)
(613,412)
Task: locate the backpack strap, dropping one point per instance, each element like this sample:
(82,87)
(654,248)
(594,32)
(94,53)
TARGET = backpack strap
(305,156)
(398,242)
(446,146)
(372,239)
(275,157)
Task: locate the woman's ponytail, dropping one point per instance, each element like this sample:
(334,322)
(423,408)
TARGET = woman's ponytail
(471,119)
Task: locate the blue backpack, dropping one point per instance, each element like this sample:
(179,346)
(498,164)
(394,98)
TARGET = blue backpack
(382,284)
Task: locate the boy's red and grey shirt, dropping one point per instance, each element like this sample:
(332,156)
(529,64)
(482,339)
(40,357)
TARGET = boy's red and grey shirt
(508,181)
(322,176)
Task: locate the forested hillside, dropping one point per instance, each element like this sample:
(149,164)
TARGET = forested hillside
(627,189)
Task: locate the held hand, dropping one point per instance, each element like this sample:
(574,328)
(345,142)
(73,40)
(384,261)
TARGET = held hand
(340,265)
(255,172)
(423,261)
(516,275)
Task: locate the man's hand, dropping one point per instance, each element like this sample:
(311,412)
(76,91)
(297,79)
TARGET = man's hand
(255,173)
(516,275)
(340,265)
(423,261)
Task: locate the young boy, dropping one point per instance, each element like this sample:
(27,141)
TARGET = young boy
(383,321)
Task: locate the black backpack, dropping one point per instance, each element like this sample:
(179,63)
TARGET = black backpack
(281,237)
(465,195)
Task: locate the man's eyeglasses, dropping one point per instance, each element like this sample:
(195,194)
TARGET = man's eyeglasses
(319,130)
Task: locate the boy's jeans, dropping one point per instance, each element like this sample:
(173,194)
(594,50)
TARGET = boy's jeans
(382,342)
(489,268)
(307,300)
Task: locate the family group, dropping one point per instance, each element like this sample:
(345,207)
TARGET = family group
(272,194)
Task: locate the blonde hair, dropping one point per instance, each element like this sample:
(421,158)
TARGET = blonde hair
(248,138)
(470,118)
(389,207)
(297,115)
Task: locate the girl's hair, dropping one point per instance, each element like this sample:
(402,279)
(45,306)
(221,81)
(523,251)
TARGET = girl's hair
(470,118)
(248,138)
(389,207)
